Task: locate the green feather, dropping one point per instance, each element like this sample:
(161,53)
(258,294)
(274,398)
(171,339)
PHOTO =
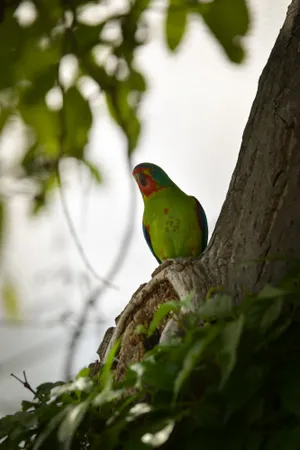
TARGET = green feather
(173,224)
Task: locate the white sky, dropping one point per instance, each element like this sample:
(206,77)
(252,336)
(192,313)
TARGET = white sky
(194,115)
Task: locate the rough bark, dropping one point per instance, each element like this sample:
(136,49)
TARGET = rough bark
(260,218)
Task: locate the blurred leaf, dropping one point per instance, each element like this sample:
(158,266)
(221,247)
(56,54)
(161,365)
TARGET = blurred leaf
(230,341)
(2,221)
(11,303)
(241,386)
(159,437)
(10,48)
(289,387)
(36,59)
(162,311)
(26,405)
(269,291)
(83,373)
(87,36)
(192,358)
(78,121)
(71,422)
(106,375)
(45,123)
(176,23)
(137,81)
(271,314)
(43,391)
(218,306)
(46,186)
(49,428)
(141,329)
(5,114)
(124,114)
(94,171)
(16,424)
(254,441)
(287,438)
(228,20)
(36,91)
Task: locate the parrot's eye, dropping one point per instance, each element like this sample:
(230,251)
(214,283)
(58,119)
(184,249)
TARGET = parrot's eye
(142,178)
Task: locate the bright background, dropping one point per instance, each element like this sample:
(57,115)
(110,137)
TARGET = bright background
(194,114)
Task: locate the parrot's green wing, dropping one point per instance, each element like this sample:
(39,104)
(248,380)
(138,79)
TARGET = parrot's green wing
(148,240)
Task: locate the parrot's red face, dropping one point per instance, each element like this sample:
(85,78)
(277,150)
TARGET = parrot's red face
(151,178)
(145,181)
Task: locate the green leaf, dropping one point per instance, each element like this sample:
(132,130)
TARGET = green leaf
(28,405)
(80,384)
(287,438)
(158,438)
(36,91)
(124,115)
(2,221)
(218,306)
(228,353)
(71,422)
(50,427)
(141,329)
(43,391)
(10,48)
(192,358)
(88,36)
(15,425)
(271,314)
(254,441)
(35,59)
(11,303)
(94,171)
(5,114)
(137,81)
(176,23)
(269,291)
(162,311)
(108,395)
(106,375)
(78,121)
(228,20)
(289,387)
(83,373)
(46,127)
(241,386)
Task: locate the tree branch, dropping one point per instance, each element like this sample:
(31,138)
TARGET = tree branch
(260,218)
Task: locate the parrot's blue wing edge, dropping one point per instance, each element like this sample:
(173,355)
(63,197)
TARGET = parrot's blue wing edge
(148,240)
(202,222)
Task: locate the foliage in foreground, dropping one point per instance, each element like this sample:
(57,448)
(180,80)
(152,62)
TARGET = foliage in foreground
(42,40)
(232,384)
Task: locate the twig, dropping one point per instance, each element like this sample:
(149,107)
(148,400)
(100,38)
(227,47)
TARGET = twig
(99,291)
(76,238)
(27,385)
(62,138)
(125,243)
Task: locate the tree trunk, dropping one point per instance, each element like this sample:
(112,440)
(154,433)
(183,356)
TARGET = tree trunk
(258,231)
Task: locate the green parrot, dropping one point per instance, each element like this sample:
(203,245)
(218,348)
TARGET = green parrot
(174,223)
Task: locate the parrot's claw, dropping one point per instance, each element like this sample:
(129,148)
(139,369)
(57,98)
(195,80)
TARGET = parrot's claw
(163,265)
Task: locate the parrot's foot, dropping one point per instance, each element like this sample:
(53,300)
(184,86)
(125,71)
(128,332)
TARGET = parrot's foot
(163,265)
(180,264)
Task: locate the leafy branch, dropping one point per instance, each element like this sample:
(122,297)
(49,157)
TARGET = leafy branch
(232,383)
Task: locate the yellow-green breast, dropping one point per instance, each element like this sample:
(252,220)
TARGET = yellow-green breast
(171,221)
